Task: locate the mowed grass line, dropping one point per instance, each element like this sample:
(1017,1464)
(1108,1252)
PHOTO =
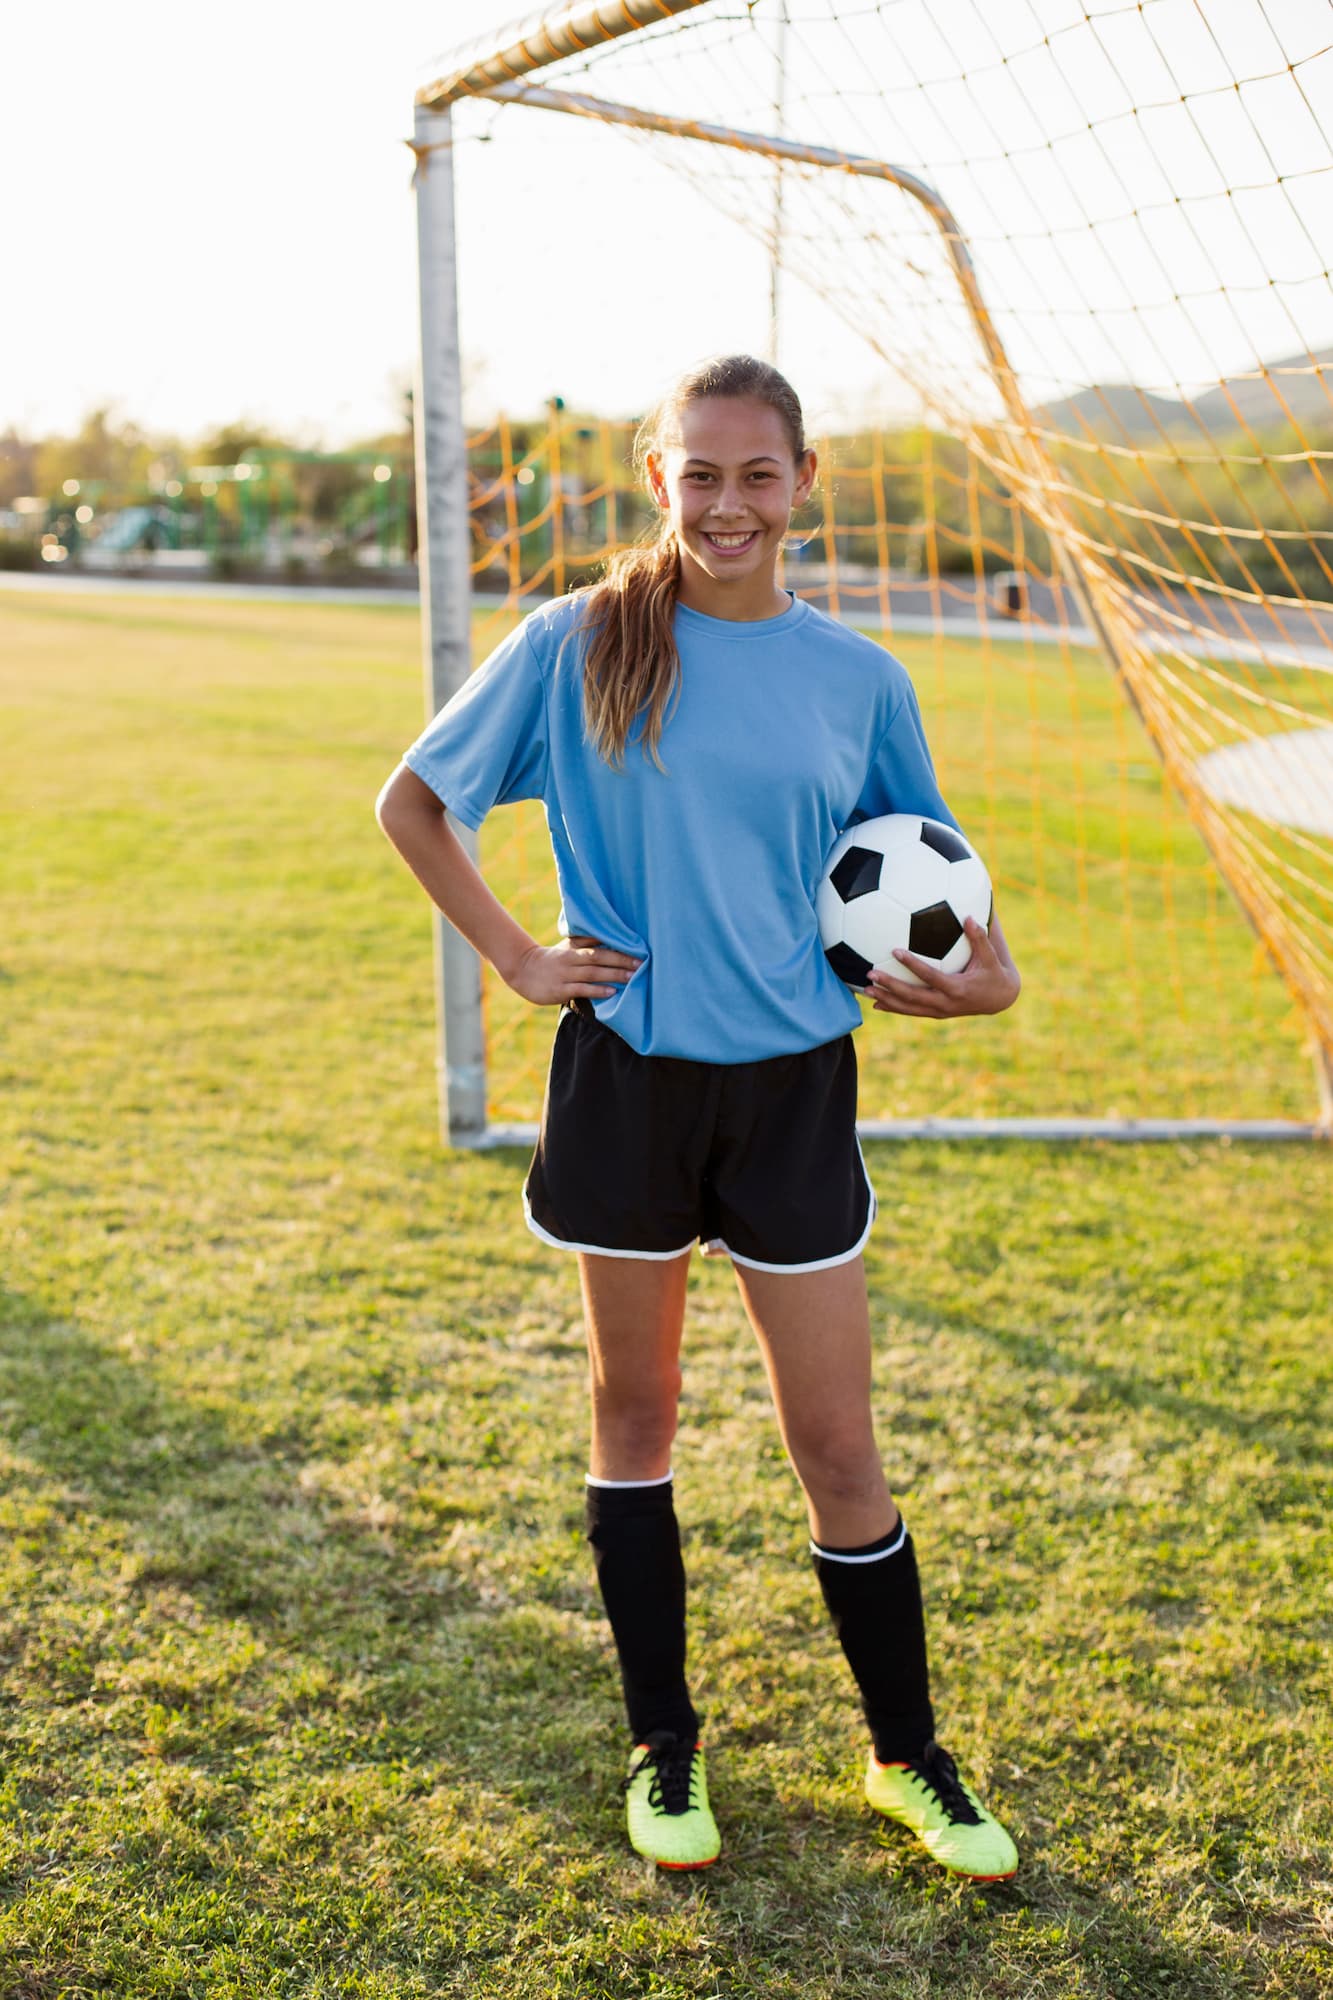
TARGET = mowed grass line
(306,1686)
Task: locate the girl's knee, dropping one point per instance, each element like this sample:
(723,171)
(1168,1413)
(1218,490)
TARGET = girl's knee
(837,1468)
(640,1418)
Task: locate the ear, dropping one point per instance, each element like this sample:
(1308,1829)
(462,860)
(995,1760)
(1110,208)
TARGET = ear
(656,483)
(806,474)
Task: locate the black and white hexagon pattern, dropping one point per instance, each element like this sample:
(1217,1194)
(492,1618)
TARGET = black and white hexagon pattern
(901,880)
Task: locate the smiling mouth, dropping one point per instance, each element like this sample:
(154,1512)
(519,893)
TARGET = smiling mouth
(730,545)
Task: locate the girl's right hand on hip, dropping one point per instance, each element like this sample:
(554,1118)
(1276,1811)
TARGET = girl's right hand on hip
(576,967)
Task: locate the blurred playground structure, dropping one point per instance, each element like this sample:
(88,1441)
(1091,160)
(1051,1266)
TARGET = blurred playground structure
(270,510)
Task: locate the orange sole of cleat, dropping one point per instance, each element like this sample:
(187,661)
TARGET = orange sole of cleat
(686,1867)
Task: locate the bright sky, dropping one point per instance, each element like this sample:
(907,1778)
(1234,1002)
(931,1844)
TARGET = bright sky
(210,217)
(216,218)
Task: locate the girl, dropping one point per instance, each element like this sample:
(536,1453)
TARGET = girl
(702,1083)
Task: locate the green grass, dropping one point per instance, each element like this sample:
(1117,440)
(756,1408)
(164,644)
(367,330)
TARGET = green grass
(305,1686)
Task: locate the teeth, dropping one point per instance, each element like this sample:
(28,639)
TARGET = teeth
(730,541)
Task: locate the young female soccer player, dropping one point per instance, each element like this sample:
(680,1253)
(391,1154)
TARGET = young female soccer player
(700,737)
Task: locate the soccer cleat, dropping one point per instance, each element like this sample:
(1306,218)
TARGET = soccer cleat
(945,1814)
(666,1804)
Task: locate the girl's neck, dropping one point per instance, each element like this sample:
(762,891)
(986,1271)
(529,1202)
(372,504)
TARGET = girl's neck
(745,601)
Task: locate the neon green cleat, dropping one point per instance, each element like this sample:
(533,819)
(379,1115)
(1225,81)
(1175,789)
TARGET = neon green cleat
(666,1803)
(945,1814)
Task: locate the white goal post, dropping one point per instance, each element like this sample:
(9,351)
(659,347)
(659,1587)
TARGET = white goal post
(497,69)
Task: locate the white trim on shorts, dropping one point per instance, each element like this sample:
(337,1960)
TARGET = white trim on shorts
(821,1263)
(597,1249)
(718,1242)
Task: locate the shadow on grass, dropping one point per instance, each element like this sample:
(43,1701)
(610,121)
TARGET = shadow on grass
(1296,1434)
(882,1907)
(439,1648)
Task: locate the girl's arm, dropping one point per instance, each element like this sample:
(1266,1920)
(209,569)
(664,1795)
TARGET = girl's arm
(988,983)
(413,819)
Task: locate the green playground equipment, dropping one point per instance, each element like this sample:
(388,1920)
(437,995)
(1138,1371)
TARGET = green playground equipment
(265,505)
(147,527)
(241,507)
(275,508)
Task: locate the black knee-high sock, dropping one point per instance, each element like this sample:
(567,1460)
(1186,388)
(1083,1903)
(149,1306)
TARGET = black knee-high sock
(873,1596)
(636,1547)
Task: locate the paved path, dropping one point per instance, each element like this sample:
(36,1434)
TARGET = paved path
(1285,779)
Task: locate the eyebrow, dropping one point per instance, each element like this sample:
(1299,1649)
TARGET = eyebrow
(766,459)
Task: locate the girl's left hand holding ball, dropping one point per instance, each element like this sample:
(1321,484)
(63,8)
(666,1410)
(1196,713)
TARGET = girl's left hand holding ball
(988,983)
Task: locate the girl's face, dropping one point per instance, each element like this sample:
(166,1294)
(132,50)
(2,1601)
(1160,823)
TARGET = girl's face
(730,484)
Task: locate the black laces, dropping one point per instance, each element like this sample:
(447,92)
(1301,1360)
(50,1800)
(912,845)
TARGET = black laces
(672,1762)
(936,1768)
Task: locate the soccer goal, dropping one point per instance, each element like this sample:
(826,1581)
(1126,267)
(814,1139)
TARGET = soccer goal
(1069,267)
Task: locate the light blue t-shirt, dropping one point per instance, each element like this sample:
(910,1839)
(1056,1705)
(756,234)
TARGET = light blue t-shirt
(784,731)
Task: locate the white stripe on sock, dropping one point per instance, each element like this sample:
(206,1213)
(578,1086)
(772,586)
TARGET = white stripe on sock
(876,1555)
(665,1480)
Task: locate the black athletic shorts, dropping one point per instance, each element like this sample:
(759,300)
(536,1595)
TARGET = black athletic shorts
(640,1155)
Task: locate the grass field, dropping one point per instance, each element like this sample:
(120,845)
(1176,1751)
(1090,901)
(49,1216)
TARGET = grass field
(306,1690)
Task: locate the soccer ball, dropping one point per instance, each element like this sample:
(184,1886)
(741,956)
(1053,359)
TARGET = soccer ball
(900,880)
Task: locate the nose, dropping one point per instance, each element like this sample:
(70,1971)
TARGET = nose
(727,505)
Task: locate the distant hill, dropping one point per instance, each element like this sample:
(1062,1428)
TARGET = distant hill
(1119,411)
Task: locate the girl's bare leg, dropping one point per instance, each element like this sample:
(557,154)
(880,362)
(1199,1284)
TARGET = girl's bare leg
(634,1313)
(813,1329)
